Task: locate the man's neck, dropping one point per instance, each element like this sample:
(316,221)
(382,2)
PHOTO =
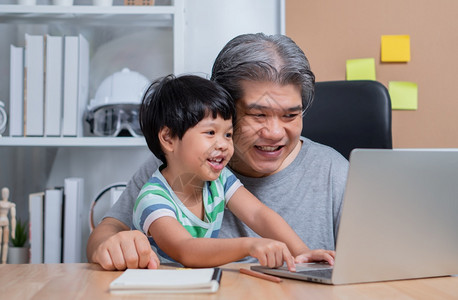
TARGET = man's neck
(291,157)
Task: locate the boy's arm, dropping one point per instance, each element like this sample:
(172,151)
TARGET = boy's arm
(178,243)
(267,223)
(115,247)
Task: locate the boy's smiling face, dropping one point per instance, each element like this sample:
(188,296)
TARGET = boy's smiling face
(204,149)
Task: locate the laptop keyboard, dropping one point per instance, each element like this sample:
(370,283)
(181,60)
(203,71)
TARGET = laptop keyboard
(326,273)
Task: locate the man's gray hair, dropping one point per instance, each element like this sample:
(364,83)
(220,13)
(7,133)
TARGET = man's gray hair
(260,57)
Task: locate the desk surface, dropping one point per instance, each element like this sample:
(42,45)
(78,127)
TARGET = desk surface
(88,281)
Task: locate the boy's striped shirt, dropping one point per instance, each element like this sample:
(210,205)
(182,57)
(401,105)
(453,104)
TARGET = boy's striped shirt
(157,199)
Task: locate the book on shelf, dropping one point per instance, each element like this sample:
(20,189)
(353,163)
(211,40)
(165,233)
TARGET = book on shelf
(73,216)
(53,85)
(36,206)
(34,87)
(83,83)
(53,226)
(16,91)
(76,84)
(133,281)
(56,223)
(70,85)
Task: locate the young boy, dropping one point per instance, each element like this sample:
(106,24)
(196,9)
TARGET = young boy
(187,123)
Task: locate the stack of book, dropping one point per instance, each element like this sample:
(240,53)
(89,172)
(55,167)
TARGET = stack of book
(56,223)
(49,83)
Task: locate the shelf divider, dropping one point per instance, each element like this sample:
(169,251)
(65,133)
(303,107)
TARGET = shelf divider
(73,141)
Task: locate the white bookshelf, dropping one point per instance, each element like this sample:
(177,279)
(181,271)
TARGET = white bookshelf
(73,141)
(50,11)
(31,164)
(97,17)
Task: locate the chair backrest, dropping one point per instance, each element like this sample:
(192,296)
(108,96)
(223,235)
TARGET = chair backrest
(349,114)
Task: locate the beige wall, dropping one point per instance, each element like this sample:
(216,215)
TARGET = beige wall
(332,31)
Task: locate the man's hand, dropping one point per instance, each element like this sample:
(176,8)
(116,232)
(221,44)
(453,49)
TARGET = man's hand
(126,249)
(114,247)
(316,255)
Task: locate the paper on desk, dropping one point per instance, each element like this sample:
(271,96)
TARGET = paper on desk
(361,69)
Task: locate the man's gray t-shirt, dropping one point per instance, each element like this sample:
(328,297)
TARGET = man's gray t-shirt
(307,194)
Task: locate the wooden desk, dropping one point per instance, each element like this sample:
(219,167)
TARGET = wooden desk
(88,281)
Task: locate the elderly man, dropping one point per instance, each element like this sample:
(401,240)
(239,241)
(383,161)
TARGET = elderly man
(270,79)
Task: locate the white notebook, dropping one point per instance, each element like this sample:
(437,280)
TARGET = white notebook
(16,116)
(36,202)
(53,226)
(34,88)
(73,219)
(167,281)
(53,85)
(76,84)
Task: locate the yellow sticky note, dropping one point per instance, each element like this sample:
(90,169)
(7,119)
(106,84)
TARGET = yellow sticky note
(404,95)
(361,69)
(395,48)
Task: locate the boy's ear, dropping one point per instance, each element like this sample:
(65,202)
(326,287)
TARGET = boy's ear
(165,137)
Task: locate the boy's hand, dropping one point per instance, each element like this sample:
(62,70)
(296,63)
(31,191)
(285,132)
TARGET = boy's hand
(316,255)
(271,253)
(126,249)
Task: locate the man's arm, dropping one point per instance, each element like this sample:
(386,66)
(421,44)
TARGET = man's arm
(112,244)
(115,247)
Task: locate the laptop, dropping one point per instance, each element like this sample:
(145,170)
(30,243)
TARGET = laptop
(399,219)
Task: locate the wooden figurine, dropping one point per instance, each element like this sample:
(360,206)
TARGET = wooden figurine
(5,208)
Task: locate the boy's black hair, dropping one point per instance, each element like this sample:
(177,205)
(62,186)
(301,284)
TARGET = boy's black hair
(179,103)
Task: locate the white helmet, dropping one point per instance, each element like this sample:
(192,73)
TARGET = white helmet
(115,106)
(124,87)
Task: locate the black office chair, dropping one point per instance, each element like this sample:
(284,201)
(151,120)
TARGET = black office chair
(349,114)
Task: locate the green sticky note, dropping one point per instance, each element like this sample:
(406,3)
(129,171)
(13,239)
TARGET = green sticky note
(361,69)
(395,48)
(404,95)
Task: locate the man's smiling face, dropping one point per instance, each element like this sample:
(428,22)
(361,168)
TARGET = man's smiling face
(269,124)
